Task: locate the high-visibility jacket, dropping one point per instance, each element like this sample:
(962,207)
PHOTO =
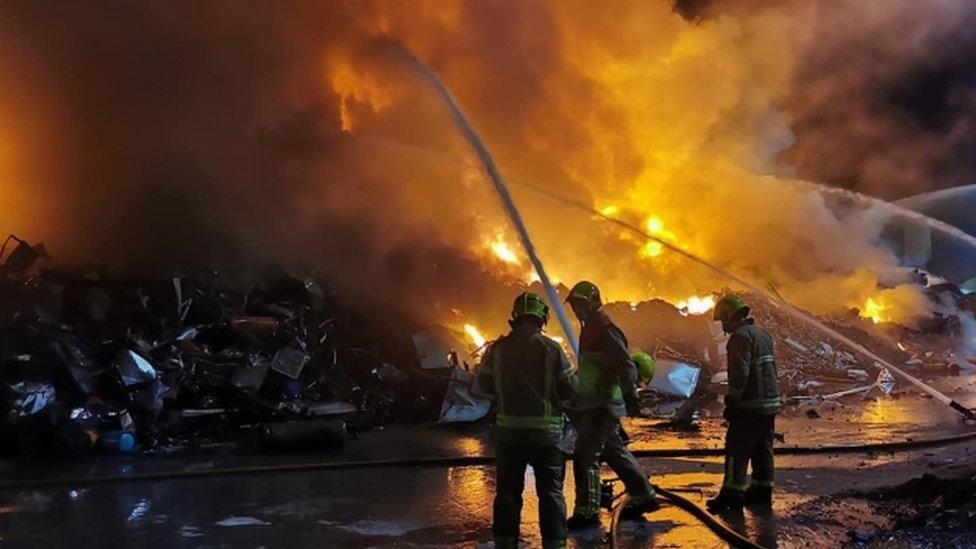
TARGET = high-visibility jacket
(530,377)
(606,370)
(753,382)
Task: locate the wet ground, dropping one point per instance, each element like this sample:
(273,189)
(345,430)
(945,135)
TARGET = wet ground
(410,506)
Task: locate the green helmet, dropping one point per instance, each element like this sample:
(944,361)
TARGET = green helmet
(529,304)
(729,306)
(645,365)
(586,292)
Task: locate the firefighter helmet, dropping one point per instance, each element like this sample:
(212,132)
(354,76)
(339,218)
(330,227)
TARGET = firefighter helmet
(645,365)
(729,306)
(530,304)
(586,292)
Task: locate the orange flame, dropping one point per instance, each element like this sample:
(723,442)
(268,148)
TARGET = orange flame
(475,335)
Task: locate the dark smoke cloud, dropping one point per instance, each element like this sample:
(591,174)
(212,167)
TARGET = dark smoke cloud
(885,97)
(167,135)
(163,109)
(884,92)
(187,135)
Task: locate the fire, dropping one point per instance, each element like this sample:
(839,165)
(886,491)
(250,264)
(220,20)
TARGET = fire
(532,277)
(651,249)
(655,227)
(695,305)
(900,305)
(354,88)
(623,123)
(502,250)
(876,310)
(475,336)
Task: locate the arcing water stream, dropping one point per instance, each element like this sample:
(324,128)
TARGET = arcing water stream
(495,176)
(793,311)
(897,209)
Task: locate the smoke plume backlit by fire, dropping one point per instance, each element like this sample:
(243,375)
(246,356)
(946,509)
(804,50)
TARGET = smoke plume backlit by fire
(324,149)
(626,120)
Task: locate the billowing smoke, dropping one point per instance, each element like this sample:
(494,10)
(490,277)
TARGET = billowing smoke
(883,98)
(169,135)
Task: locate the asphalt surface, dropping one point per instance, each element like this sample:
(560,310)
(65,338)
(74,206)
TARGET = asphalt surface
(428,507)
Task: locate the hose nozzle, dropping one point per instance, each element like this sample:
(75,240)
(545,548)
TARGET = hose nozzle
(968,412)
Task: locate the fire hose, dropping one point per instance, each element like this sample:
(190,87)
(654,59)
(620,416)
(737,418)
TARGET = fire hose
(711,522)
(719,528)
(473,461)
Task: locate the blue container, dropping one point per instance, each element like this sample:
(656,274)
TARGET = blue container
(122,442)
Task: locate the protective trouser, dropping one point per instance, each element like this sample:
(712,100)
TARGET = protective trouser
(549,466)
(598,435)
(749,438)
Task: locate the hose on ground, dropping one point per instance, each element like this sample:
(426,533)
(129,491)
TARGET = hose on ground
(615,519)
(466,461)
(725,533)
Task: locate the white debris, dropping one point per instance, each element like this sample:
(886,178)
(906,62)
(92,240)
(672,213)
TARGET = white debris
(857,374)
(242,521)
(886,381)
(962,363)
(675,378)
(808,384)
(843,360)
(190,532)
(721,378)
(825,350)
(463,402)
(796,345)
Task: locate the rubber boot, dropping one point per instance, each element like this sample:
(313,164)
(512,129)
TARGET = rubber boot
(758,495)
(725,500)
(581,522)
(634,512)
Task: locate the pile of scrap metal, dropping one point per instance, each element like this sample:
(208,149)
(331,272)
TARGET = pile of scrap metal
(90,359)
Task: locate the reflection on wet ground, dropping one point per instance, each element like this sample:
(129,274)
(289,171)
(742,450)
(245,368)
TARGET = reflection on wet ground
(394,506)
(436,507)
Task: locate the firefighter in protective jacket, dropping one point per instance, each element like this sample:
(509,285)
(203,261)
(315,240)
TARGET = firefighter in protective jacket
(530,377)
(607,390)
(751,405)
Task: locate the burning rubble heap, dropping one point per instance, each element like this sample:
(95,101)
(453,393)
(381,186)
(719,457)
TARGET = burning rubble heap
(92,358)
(813,369)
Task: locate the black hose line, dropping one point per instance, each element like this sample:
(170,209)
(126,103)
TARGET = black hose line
(969,413)
(615,519)
(467,461)
(732,537)
(727,534)
(719,528)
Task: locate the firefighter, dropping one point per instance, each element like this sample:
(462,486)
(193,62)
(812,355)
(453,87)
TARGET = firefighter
(751,406)
(607,390)
(530,377)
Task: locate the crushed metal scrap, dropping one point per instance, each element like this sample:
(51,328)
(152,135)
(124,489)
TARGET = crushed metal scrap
(94,359)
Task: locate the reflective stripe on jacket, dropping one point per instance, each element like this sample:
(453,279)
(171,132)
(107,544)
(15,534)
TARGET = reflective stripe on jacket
(753,381)
(530,376)
(606,371)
